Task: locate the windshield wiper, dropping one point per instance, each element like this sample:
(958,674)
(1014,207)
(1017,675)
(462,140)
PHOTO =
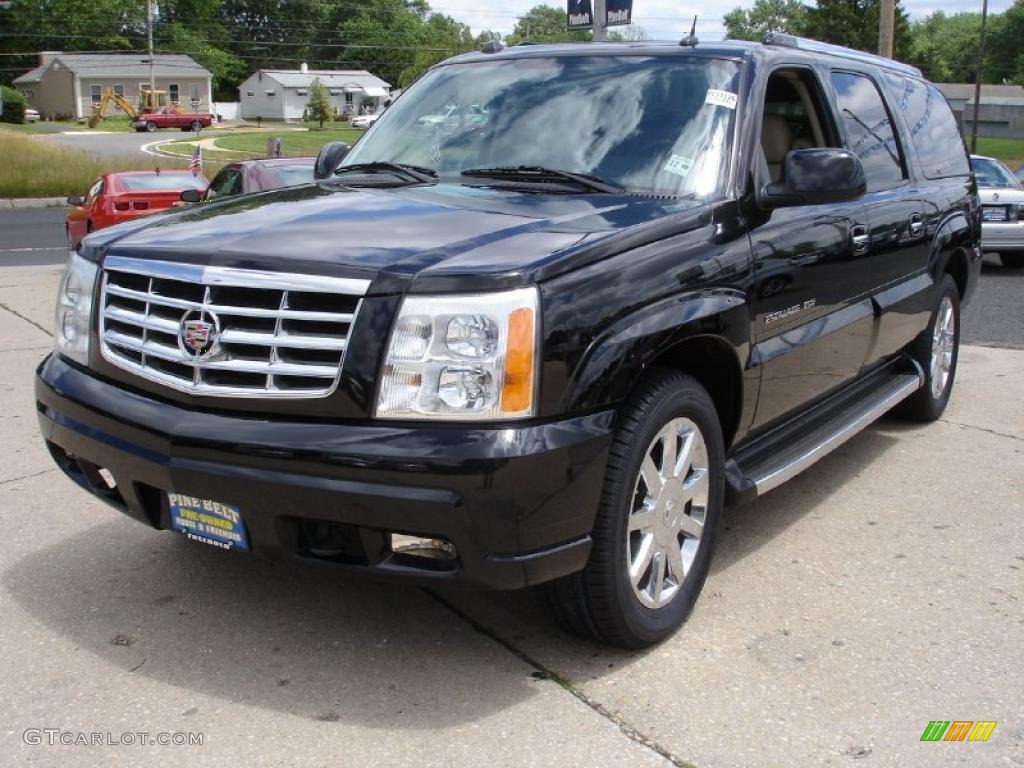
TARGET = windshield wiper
(540,174)
(411,172)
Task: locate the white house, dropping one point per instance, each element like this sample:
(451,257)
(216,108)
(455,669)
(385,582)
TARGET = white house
(279,94)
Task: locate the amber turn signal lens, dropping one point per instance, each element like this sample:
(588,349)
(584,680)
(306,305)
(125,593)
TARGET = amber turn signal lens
(517,391)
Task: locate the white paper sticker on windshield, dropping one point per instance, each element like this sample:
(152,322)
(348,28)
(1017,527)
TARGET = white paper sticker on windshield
(721,99)
(678,165)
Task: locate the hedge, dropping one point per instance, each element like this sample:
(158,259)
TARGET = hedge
(14,105)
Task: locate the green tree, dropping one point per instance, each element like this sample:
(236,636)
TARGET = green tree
(789,16)
(945,48)
(319,106)
(544,24)
(1004,56)
(854,23)
(226,68)
(385,37)
(78,25)
(13,105)
(441,37)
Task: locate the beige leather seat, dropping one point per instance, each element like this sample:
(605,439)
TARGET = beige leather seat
(776,140)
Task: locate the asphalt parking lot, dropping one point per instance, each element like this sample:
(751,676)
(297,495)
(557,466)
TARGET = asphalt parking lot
(875,593)
(113,144)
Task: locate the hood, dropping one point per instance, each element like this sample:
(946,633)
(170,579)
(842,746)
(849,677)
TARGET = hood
(1000,195)
(409,238)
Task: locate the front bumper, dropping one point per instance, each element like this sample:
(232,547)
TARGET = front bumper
(518,503)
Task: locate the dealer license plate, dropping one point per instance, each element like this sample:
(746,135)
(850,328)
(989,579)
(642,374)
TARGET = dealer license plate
(208,521)
(994,213)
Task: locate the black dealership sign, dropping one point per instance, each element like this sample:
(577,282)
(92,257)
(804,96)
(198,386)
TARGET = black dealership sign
(620,12)
(579,13)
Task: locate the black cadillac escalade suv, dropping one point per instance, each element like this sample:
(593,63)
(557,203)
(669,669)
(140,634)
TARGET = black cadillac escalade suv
(556,308)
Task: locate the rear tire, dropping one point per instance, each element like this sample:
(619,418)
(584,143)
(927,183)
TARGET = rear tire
(937,350)
(655,528)
(1012,260)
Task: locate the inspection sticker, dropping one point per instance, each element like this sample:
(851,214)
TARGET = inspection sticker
(720,99)
(678,165)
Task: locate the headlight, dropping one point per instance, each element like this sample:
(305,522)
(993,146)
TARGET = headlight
(462,358)
(74,308)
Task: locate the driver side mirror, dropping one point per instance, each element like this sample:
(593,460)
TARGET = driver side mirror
(330,157)
(191,196)
(816,177)
(76,200)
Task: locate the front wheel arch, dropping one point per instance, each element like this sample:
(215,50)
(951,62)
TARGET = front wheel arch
(711,344)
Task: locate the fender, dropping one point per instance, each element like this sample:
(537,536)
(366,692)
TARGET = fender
(957,234)
(953,232)
(614,360)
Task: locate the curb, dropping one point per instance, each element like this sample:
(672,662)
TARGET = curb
(34,202)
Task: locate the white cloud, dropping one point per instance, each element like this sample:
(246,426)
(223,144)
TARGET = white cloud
(667,19)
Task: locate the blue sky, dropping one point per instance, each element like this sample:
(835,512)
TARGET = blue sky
(669,19)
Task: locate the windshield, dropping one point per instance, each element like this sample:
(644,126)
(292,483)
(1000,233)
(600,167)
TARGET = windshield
(651,125)
(992,173)
(291,175)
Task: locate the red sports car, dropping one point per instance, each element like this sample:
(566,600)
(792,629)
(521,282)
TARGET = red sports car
(117,197)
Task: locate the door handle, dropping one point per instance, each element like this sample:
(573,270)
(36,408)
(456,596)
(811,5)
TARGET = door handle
(916,225)
(860,239)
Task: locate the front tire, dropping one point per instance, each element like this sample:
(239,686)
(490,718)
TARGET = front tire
(656,526)
(196,126)
(151,126)
(1012,260)
(937,350)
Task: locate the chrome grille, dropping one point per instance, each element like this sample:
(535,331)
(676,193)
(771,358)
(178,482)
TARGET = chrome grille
(259,334)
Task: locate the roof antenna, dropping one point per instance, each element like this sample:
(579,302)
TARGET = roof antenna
(691,41)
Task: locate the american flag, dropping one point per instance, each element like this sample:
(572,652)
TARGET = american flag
(196,163)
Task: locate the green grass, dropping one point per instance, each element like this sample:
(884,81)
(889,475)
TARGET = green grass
(293,143)
(1010,151)
(34,167)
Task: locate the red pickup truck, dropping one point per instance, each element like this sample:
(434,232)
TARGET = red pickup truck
(168,117)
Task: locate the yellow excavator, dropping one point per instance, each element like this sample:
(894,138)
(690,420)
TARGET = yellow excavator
(149,101)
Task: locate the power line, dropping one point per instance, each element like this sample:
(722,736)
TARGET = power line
(274,43)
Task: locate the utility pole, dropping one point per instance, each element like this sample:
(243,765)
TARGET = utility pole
(977,78)
(149,35)
(886,27)
(600,19)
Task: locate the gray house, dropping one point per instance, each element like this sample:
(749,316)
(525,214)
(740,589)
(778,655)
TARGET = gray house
(68,84)
(999,113)
(277,94)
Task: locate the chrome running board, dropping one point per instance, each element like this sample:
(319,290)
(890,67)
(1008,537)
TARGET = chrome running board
(772,460)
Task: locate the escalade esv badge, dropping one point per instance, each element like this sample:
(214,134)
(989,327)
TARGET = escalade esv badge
(198,334)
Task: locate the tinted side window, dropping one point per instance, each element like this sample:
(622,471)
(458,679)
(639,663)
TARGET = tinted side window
(933,128)
(868,129)
(227,182)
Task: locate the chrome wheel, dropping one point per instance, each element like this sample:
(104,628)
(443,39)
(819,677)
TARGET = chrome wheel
(666,521)
(943,346)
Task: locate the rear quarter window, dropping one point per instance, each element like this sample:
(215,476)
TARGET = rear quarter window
(933,129)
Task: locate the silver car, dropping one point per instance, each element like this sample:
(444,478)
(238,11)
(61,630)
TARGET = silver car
(1002,201)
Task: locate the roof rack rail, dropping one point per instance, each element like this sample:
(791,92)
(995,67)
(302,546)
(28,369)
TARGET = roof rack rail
(815,46)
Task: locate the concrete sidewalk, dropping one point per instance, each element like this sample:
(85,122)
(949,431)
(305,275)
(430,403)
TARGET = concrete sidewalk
(847,609)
